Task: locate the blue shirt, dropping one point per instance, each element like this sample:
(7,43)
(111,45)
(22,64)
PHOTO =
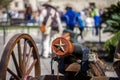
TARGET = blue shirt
(70,16)
(80,22)
(97,20)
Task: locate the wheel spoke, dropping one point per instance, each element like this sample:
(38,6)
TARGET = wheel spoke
(24,55)
(19,56)
(16,65)
(24,51)
(29,55)
(13,74)
(31,67)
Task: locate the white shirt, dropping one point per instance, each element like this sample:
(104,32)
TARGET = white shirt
(89,22)
(42,15)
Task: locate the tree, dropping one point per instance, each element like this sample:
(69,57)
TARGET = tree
(4,3)
(112,19)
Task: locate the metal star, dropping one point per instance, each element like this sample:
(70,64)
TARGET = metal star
(60,46)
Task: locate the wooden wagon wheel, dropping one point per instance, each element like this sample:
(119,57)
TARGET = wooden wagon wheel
(23,54)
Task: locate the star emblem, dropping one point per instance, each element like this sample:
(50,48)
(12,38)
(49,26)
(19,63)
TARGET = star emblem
(60,46)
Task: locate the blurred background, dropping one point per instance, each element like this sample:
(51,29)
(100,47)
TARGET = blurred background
(24,16)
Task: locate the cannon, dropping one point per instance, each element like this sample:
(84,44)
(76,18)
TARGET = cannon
(22,53)
(77,62)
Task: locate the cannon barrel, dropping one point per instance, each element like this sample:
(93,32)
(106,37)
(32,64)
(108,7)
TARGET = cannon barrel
(63,47)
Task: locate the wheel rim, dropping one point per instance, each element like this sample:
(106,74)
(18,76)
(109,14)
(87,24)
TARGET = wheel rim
(21,60)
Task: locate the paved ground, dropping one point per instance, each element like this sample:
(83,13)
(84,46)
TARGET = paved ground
(45,63)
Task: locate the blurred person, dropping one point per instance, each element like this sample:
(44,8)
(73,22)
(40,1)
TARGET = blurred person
(97,24)
(5,16)
(70,18)
(81,24)
(83,14)
(33,17)
(28,12)
(91,7)
(102,10)
(97,20)
(51,27)
(89,22)
(95,13)
(15,14)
